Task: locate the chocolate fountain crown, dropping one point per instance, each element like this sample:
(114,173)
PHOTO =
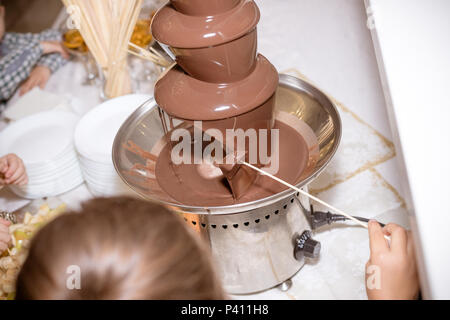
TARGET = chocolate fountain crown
(222,81)
(223,76)
(203,8)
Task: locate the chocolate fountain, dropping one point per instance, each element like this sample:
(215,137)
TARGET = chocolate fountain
(258,230)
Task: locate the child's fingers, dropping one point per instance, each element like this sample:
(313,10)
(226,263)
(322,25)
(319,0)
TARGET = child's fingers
(42,84)
(376,238)
(13,164)
(23,180)
(398,237)
(3,165)
(18,174)
(62,50)
(4,234)
(410,244)
(24,88)
(64,53)
(29,84)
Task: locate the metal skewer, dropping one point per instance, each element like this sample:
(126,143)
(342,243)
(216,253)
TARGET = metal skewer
(306,194)
(388,238)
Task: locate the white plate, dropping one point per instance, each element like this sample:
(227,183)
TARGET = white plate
(63,178)
(106,173)
(55,188)
(123,190)
(52,186)
(68,153)
(33,102)
(102,183)
(95,133)
(40,137)
(96,166)
(51,169)
(55,175)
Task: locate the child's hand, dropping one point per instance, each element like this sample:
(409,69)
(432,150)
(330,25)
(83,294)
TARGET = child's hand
(12,170)
(54,47)
(5,237)
(38,77)
(394,264)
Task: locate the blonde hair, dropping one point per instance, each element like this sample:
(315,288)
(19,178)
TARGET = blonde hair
(125,249)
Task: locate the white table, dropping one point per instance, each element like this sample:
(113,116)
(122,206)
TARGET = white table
(328,42)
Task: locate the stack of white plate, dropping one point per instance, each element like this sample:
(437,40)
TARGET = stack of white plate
(94,137)
(44,141)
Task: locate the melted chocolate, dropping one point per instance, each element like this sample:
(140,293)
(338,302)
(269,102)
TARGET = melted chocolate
(184,97)
(179,30)
(202,7)
(239,178)
(190,184)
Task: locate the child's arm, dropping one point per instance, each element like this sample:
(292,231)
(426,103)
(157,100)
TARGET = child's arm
(28,51)
(53,61)
(16,66)
(45,66)
(391,271)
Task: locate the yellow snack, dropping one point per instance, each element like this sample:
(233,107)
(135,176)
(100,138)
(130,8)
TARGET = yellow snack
(73,40)
(21,233)
(141,34)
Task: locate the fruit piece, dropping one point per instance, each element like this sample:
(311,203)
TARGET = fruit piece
(73,39)
(27,218)
(6,263)
(8,286)
(21,235)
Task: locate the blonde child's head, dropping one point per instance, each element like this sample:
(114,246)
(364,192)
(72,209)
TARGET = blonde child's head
(124,249)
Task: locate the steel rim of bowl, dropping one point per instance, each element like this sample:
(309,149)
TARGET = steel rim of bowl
(286,81)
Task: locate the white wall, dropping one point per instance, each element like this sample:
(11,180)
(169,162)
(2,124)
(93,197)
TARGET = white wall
(413,47)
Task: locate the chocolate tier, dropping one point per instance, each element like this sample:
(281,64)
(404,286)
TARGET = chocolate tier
(202,7)
(220,79)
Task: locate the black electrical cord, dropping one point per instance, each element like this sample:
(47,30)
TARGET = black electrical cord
(319,218)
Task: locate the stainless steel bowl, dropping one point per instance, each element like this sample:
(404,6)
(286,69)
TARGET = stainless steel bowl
(294,96)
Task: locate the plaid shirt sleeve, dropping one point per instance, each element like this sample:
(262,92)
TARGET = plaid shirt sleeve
(16,66)
(53,61)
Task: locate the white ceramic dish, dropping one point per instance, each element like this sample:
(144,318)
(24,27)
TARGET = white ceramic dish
(44,141)
(39,138)
(94,137)
(97,129)
(53,188)
(34,102)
